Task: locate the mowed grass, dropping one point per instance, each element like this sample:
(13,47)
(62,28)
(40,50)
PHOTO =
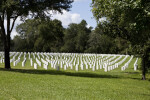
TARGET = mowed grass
(26,83)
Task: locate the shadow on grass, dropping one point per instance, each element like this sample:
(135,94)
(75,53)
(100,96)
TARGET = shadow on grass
(54,72)
(131,72)
(146,94)
(140,79)
(136,77)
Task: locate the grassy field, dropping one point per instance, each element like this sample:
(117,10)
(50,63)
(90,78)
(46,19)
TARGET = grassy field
(26,83)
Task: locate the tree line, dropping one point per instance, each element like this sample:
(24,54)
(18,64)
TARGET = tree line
(45,35)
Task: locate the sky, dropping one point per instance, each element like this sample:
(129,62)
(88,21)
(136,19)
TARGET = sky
(80,10)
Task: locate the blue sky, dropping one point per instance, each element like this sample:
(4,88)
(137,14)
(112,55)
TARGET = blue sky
(80,10)
(83,8)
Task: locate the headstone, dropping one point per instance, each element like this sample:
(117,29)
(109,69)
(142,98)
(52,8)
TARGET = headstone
(105,67)
(76,67)
(45,66)
(135,67)
(65,67)
(31,62)
(35,66)
(23,64)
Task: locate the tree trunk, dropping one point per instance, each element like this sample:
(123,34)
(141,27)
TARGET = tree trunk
(6,54)
(5,33)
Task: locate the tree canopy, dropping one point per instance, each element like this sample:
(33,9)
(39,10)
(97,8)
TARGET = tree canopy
(10,10)
(44,35)
(128,19)
(76,36)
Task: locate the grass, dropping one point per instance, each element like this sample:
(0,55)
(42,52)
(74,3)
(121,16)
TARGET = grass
(26,83)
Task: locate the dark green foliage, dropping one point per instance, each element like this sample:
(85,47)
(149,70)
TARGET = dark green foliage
(28,31)
(43,36)
(36,8)
(76,37)
(128,19)
(19,44)
(100,44)
(1,45)
(50,36)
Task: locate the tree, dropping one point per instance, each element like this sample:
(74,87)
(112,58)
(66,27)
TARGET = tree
(94,43)
(27,34)
(128,19)
(76,37)
(70,38)
(52,34)
(45,35)
(10,10)
(100,43)
(19,44)
(82,36)
(1,44)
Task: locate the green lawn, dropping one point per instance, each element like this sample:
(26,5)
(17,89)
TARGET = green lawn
(26,83)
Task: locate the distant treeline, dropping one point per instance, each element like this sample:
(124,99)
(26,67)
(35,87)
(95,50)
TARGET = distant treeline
(47,35)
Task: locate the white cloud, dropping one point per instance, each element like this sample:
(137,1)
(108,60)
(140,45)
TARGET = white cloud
(78,0)
(67,17)
(88,25)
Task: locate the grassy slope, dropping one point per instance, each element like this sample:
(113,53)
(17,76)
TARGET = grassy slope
(29,84)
